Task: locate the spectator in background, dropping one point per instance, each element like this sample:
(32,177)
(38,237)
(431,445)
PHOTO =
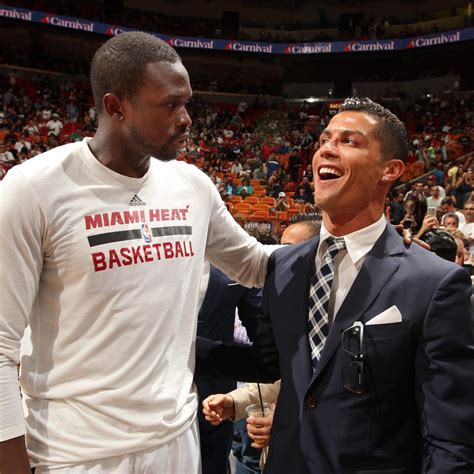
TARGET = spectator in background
(433,182)
(308,174)
(447,207)
(409,220)
(453,174)
(462,255)
(451,220)
(89,127)
(9,98)
(272,165)
(259,173)
(216,179)
(245,189)
(46,114)
(302,195)
(237,168)
(282,203)
(429,222)
(23,144)
(6,157)
(417,187)
(397,209)
(442,243)
(220,298)
(418,197)
(467,228)
(439,174)
(54,126)
(92,113)
(229,186)
(273,187)
(462,188)
(72,111)
(434,200)
(31,128)
(289,186)
(302,227)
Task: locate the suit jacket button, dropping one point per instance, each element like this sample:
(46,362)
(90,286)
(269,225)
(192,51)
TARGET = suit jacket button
(310,402)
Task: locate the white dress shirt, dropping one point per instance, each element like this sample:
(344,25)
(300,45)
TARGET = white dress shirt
(348,262)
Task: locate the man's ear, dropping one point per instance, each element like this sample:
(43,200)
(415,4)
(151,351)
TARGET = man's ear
(113,106)
(392,170)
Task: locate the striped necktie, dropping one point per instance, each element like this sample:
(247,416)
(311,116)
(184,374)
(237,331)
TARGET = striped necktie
(319,298)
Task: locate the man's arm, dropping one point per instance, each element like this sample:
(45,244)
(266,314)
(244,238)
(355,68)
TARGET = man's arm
(232,361)
(256,363)
(445,378)
(13,456)
(231,249)
(248,395)
(23,225)
(250,311)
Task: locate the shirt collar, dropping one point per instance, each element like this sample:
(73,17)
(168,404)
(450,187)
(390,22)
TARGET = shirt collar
(360,242)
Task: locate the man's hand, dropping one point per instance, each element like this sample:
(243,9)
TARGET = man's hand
(259,430)
(429,222)
(13,457)
(408,238)
(218,408)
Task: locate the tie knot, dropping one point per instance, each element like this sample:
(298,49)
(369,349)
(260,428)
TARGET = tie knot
(335,246)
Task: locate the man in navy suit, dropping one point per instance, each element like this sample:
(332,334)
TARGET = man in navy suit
(216,321)
(390,386)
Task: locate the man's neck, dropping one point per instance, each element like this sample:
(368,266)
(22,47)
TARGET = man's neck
(339,225)
(118,158)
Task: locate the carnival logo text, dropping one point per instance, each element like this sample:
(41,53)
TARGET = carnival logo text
(74,24)
(249,47)
(13,13)
(191,43)
(315,48)
(435,40)
(369,46)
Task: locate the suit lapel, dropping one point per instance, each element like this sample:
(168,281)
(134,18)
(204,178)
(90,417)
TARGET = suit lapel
(295,276)
(376,271)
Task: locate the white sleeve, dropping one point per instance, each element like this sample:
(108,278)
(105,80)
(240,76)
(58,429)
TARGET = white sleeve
(12,422)
(22,229)
(231,249)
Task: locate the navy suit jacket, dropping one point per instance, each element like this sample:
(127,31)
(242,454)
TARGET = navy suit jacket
(417,412)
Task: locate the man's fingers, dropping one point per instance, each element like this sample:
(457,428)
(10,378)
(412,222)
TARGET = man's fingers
(421,244)
(407,236)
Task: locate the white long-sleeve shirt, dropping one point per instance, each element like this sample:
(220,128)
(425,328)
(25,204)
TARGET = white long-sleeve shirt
(106,269)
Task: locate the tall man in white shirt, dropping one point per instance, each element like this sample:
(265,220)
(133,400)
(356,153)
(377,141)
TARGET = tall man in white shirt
(101,255)
(374,339)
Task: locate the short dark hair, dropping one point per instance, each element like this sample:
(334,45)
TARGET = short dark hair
(451,214)
(118,66)
(447,200)
(312,222)
(391,131)
(263,235)
(442,243)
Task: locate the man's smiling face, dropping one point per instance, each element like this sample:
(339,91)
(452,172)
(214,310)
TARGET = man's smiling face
(348,167)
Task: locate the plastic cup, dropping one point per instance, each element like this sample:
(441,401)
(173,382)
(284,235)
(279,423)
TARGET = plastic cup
(255,410)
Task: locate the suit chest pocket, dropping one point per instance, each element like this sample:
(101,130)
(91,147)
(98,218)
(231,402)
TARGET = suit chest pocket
(387,352)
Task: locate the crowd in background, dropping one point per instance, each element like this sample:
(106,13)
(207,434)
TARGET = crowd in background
(258,154)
